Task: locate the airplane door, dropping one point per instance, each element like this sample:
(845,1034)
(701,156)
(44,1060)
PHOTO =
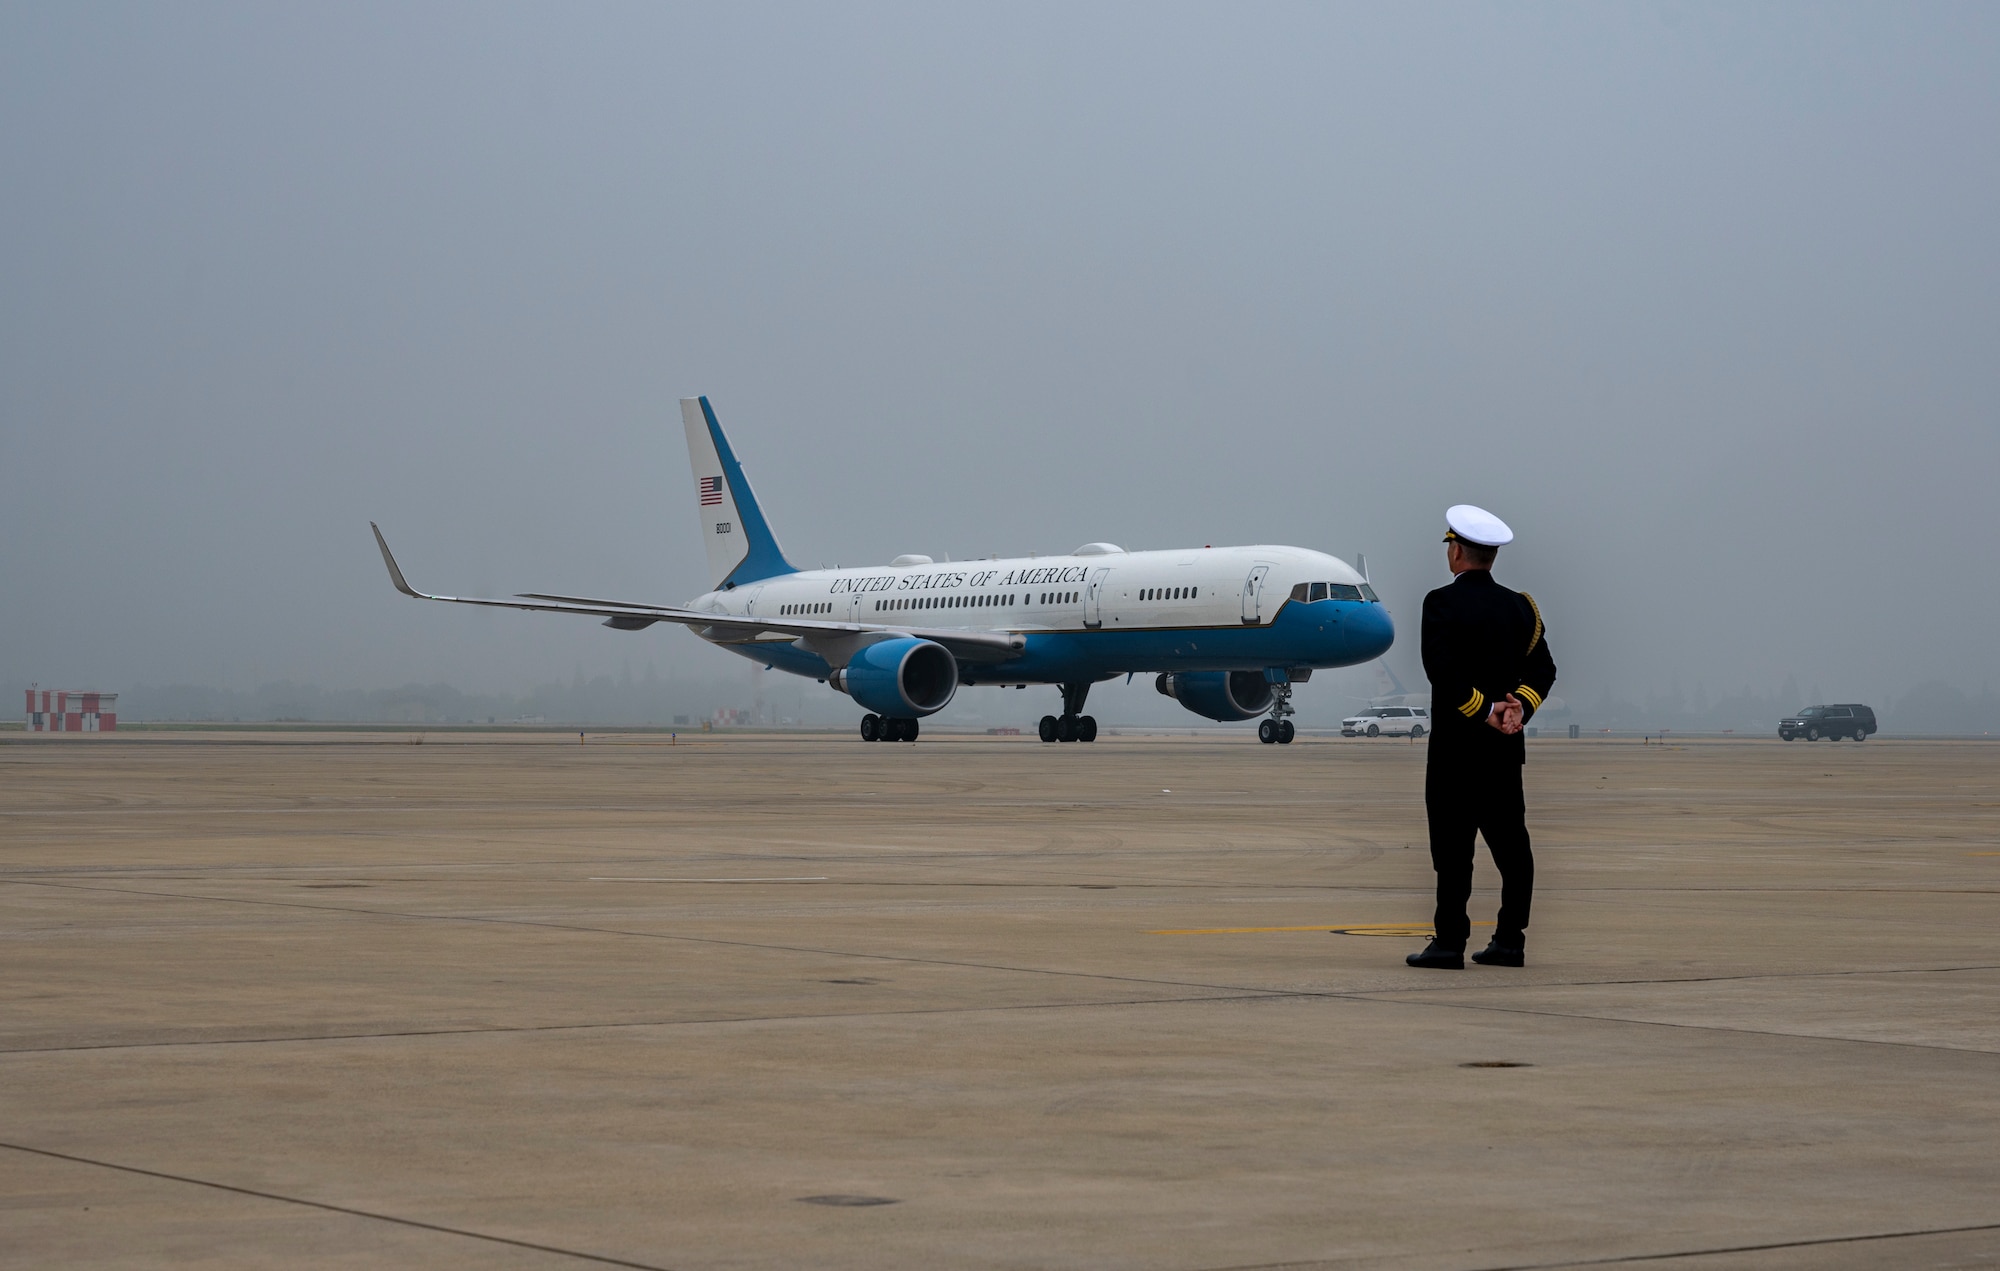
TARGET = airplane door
(1253,594)
(1093,600)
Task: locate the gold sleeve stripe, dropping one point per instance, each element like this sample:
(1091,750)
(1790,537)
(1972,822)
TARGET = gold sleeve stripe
(1530,696)
(1472,704)
(1537,637)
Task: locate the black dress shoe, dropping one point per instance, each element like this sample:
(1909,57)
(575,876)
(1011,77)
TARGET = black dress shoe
(1438,958)
(1497,954)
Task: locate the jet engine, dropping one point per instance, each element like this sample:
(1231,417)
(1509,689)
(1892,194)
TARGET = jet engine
(903,678)
(1221,695)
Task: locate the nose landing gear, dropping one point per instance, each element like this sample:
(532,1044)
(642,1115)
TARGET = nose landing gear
(1278,730)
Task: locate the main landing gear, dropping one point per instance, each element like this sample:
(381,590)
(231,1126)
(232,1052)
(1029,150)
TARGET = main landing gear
(887,728)
(1277,730)
(1074,725)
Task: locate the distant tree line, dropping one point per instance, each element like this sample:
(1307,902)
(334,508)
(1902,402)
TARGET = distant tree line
(601,699)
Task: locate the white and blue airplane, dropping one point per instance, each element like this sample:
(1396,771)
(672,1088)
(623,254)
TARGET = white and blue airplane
(1227,630)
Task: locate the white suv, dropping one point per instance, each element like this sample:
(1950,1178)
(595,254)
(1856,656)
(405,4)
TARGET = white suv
(1387,721)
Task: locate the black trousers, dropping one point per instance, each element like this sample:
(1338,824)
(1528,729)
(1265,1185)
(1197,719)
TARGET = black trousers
(1463,797)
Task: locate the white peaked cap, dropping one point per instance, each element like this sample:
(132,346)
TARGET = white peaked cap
(1476,525)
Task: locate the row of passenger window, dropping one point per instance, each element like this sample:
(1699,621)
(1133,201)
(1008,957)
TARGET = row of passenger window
(1309,592)
(1168,593)
(904,604)
(790,611)
(900,604)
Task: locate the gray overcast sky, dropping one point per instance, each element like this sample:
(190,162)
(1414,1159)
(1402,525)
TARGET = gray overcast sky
(1702,299)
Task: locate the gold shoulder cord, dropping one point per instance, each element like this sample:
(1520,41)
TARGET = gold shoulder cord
(1537,637)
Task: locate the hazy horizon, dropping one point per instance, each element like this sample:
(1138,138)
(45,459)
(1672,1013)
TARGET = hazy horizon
(1702,299)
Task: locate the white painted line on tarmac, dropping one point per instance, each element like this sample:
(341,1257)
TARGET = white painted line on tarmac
(817,878)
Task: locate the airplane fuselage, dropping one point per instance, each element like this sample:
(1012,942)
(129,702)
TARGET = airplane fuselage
(1090,616)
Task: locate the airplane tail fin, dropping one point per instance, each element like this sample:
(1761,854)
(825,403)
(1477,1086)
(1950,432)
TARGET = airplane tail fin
(1395,685)
(741,546)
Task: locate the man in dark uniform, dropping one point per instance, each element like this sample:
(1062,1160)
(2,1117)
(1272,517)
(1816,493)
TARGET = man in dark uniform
(1488,660)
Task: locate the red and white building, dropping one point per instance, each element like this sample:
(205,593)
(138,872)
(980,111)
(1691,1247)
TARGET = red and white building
(53,710)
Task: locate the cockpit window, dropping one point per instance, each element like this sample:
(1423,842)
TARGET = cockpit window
(1310,592)
(1369,592)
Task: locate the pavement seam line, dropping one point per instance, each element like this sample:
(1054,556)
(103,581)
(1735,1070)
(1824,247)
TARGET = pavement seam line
(1700,979)
(156,874)
(601,1259)
(663,935)
(1306,1264)
(1698,1028)
(1757,1248)
(1252,996)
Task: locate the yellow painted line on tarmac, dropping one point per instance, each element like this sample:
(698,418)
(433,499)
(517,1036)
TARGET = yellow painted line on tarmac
(1351,929)
(1983,853)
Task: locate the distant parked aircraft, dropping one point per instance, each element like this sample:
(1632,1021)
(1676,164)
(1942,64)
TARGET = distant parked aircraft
(1394,694)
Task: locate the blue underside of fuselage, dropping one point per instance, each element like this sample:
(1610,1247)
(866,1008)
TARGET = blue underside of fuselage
(1325,633)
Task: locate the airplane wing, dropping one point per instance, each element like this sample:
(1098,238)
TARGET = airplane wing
(723,628)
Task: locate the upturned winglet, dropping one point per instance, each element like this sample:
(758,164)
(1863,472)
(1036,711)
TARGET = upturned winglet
(395,570)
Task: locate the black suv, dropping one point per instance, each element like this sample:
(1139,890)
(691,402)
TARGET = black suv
(1850,719)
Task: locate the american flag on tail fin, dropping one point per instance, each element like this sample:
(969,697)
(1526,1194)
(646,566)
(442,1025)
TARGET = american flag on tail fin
(711,491)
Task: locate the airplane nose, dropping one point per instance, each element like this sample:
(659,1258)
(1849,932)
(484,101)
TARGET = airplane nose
(1370,632)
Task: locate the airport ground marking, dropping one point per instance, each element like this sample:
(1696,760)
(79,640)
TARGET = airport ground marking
(420,1224)
(616,878)
(1348,929)
(1382,996)
(677,937)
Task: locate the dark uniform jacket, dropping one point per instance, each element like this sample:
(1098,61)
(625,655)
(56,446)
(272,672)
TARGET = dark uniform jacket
(1482,642)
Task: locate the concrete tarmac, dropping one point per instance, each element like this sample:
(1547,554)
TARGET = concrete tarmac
(755,1002)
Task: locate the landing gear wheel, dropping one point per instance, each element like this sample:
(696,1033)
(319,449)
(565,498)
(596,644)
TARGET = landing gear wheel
(1286,732)
(1086,728)
(911,728)
(892,729)
(1048,728)
(1066,728)
(871,728)
(1267,732)
(1417,730)
(1812,734)
(1374,730)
